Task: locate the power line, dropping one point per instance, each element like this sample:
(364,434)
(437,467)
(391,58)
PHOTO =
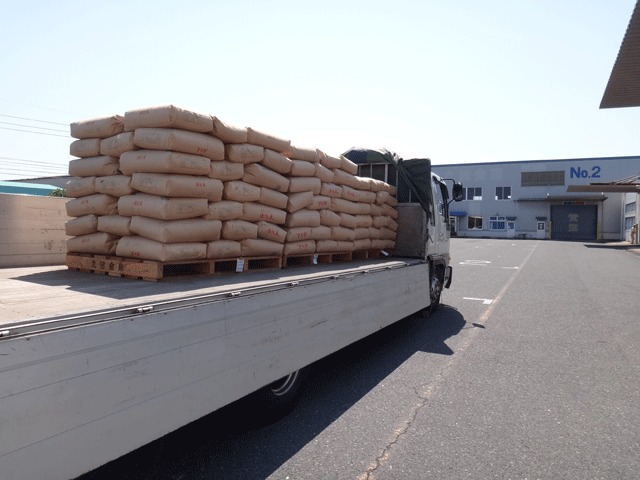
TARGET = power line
(34,120)
(39,133)
(29,126)
(24,160)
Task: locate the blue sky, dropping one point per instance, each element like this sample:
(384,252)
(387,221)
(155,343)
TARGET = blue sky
(457,81)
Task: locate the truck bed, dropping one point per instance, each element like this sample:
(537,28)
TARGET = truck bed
(40,293)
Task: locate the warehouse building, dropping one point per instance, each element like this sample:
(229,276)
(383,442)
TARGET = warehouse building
(530,199)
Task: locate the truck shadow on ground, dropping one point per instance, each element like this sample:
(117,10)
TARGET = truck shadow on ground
(236,442)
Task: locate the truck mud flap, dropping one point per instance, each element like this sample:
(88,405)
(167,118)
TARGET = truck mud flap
(448,272)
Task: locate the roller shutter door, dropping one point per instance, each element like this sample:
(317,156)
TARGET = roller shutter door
(574,222)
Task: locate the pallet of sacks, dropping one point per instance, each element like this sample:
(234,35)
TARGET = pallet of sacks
(169,184)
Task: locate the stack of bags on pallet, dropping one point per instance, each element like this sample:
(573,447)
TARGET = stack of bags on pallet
(165,183)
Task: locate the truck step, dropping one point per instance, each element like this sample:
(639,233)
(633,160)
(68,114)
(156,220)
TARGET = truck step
(155,271)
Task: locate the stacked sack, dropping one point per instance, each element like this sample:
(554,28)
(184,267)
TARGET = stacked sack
(165,183)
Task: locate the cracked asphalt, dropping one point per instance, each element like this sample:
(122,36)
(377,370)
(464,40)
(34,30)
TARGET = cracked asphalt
(530,370)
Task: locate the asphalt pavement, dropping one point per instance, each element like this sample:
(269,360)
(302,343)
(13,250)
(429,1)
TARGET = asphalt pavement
(530,370)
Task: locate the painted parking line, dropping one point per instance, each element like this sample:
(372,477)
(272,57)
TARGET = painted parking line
(485,301)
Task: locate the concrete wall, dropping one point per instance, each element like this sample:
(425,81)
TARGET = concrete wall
(32,230)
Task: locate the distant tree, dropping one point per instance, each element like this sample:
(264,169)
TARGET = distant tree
(58,192)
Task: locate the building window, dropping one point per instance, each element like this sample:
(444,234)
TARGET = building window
(629,222)
(630,208)
(497,223)
(503,193)
(474,223)
(474,193)
(542,179)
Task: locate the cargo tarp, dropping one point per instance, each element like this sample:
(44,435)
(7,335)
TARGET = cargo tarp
(415,173)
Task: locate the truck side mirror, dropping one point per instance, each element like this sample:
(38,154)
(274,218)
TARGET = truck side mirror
(457,191)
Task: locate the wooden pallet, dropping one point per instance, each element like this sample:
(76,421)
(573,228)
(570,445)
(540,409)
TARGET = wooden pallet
(155,271)
(299,260)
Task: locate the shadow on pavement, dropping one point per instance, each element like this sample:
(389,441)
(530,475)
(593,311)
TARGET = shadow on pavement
(232,443)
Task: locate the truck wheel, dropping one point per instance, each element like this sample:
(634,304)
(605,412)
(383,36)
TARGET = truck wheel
(435,291)
(278,398)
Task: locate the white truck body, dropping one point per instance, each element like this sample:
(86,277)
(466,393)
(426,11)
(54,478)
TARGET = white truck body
(93,367)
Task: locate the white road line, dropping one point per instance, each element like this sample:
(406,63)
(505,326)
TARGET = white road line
(485,301)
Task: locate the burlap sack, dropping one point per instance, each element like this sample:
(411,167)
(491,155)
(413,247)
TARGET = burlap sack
(348,166)
(364,221)
(80,187)
(366,197)
(329,218)
(98,243)
(387,234)
(89,147)
(243,152)
(276,162)
(115,224)
(361,232)
(224,249)
(254,212)
(299,248)
(381,197)
(340,205)
(238,191)
(96,204)
(343,234)
(177,231)
(363,208)
(350,194)
(225,210)
(345,246)
(375,210)
(392,224)
(323,173)
(269,231)
(329,161)
(362,244)
(256,174)
(303,153)
(381,244)
(266,140)
(363,184)
(392,201)
(303,218)
(139,247)
(331,190)
(389,244)
(167,116)
(298,201)
(239,230)
(349,221)
(375,233)
(298,234)
(389,211)
(261,248)
(326,246)
(375,185)
(100,127)
(115,185)
(185,186)
(118,144)
(162,208)
(81,226)
(227,132)
(226,171)
(200,144)
(273,199)
(304,184)
(392,190)
(302,168)
(321,233)
(341,177)
(157,161)
(94,166)
(320,202)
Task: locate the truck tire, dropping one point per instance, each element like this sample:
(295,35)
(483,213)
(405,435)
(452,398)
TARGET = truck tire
(435,291)
(279,397)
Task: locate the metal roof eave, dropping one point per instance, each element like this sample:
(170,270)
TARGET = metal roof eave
(557,198)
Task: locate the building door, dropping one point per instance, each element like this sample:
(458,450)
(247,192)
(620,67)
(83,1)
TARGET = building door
(453,221)
(574,222)
(511,229)
(542,228)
